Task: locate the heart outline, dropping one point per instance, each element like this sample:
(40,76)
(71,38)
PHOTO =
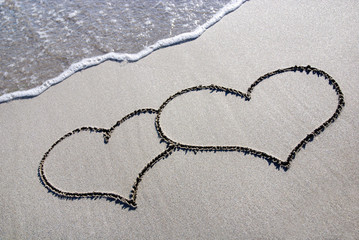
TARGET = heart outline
(93,195)
(176,146)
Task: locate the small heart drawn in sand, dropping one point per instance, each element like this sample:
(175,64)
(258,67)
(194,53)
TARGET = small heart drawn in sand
(106,137)
(177,146)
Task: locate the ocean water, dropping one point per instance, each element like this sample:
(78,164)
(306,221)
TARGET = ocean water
(42,42)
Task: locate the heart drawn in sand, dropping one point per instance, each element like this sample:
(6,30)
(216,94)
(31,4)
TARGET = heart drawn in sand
(177,146)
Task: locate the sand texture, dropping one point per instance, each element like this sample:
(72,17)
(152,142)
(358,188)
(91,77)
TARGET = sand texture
(203,195)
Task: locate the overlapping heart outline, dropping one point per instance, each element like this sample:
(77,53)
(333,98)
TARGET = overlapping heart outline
(177,146)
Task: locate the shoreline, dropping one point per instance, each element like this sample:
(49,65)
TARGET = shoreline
(126,57)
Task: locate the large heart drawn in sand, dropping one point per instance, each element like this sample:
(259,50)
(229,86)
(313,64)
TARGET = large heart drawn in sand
(176,146)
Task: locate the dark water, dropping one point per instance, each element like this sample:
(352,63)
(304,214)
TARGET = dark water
(40,39)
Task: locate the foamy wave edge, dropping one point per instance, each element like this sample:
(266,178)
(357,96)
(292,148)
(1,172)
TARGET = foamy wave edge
(90,62)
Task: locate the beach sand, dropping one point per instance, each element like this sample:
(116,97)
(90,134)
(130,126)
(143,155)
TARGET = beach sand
(222,195)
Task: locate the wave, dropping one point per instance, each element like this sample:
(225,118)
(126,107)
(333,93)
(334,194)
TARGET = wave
(120,57)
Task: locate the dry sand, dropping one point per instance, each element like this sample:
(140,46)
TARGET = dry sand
(204,195)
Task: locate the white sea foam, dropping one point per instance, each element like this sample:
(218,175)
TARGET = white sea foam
(89,62)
